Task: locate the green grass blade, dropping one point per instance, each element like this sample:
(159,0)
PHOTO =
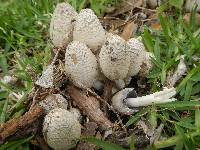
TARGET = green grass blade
(3,113)
(136,116)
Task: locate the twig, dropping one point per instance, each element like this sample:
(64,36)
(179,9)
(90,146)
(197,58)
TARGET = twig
(16,125)
(110,107)
(89,105)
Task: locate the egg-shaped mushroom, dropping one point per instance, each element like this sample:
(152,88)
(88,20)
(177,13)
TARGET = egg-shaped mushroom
(81,65)
(88,29)
(61,25)
(113,58)
(61,129)
(53,101)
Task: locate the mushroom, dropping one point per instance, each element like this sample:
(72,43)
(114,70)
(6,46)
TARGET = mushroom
(76,112)
(118,101)
(61,129)
(53,101)
(46,79)
(80,65)
(61,25)
(88,29)
(125,100)
(113,58)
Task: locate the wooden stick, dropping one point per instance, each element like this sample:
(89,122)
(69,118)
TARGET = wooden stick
(16,125)
(89,105)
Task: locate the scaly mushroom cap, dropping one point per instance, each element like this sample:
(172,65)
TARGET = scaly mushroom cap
(136,51)
(80,65)
(88,29)
(61,129)
(113,58)
(53,101)
(61,25)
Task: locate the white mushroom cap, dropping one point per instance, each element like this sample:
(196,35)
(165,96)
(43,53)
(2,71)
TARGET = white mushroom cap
(61,129)
(88,29)
(118,101)
(46,79)
(61,25)
(137,52)
(76,112)
(113,58)
(81,65)
(53,101)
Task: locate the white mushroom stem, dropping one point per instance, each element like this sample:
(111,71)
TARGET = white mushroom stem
(156,98)
(122,102)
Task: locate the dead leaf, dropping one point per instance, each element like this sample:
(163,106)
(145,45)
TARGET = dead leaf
(128,30)
(127,6)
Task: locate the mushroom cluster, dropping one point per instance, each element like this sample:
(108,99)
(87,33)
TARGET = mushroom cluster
(91,55)
(93,52)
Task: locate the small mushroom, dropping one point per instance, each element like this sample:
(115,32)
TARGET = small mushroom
(88,29)
(46,79)
(53,101)
(61,129)
(61,25)
(113,58)
(125,100)
(80,65)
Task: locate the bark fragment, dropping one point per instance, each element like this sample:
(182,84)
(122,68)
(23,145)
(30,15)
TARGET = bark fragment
(90,106)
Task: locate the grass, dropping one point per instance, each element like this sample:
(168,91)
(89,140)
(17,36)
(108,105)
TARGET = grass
(24,41)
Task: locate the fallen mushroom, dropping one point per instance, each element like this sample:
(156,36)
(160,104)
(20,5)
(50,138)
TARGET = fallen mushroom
(113,58)
(53,101)
(88,29)
(80,65)
(61,25)
(61,129)
(123,101)
(118,101)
